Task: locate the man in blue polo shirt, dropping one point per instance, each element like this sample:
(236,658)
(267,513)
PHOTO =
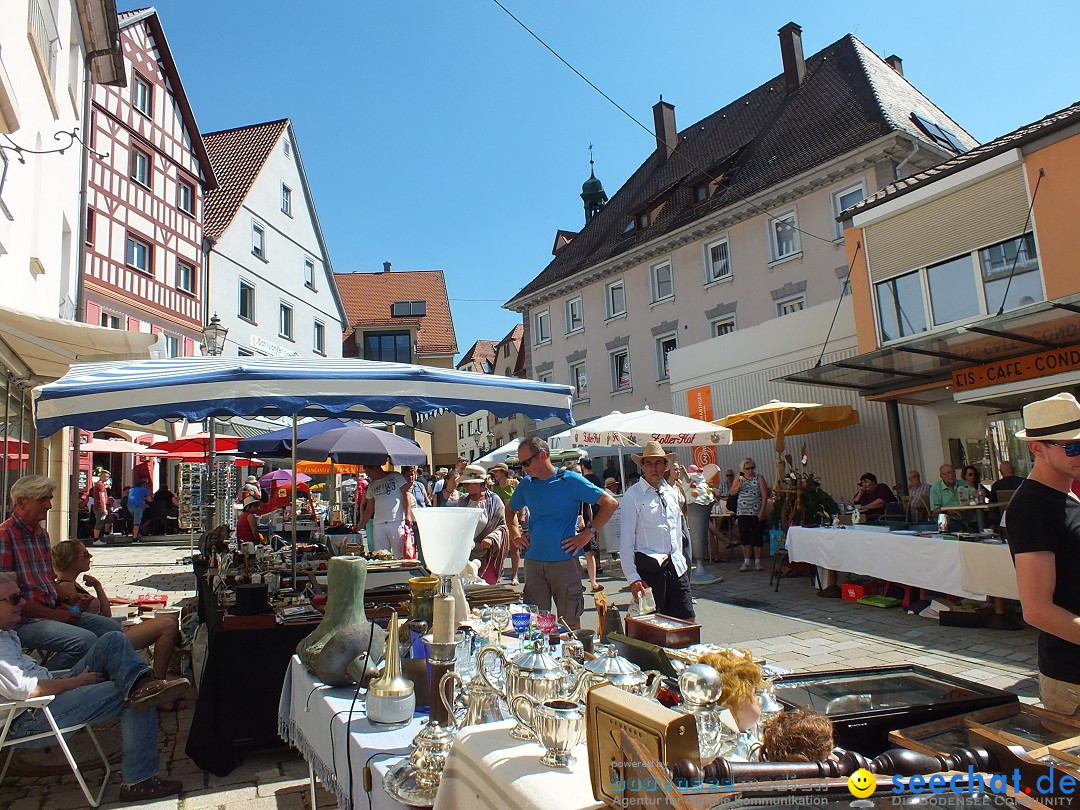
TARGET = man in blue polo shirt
(553,498)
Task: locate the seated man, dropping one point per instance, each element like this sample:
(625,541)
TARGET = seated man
(109,681)
(25,550)
(945,494)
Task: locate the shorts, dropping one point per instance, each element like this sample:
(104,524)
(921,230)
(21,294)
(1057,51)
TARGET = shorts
(751,530)
(136,517)
(1059,696)
(389,537)
(558,582)
(100,519)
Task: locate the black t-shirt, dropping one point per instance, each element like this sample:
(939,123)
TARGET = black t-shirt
(1040,518)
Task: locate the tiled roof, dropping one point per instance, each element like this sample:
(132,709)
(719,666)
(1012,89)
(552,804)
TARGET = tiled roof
(1012,140)
(480,352)
(238,156)
(125,16)
(849,98)
(369,296)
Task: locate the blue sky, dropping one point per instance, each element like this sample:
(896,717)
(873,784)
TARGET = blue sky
(438,134)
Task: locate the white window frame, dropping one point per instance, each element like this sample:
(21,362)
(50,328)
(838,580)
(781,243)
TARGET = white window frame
(319,337)
(837,207)
(774,222)
(258,240)
(783,304)
(309,277)
(609,304)
(580,393)
(185,189)
(288,147)
(109,320)
(130,256)
(573,325)
(172,346)
(711,276)
(718,323)
(141,166)
(286,200)
(662,372)
(544,377)
(286,320)
(190,287)
(613,356)
(541,327)
(142,94)
(654,281)
(246,285)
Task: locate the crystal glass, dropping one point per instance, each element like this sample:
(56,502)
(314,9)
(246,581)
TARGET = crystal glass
(500,615)
(521,622)
(547,622)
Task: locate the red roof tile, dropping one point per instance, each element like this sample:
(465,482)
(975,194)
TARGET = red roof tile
(369,296)
(483,351)
(237,156)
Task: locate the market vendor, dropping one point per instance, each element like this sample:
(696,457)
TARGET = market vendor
(872,497)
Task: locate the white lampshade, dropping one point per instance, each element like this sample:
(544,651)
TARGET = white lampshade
(447,534)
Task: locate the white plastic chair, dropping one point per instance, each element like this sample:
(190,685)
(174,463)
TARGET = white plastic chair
(8,712)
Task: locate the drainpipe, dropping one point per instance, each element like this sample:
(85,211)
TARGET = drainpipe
(80,263)
(7,435)
(904,162)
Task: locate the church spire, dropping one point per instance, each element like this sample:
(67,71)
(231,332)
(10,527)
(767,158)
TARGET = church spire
(592,192)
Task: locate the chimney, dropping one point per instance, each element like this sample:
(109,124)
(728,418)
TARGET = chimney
(896,63)
(667,137)
(386,267)
(791,51)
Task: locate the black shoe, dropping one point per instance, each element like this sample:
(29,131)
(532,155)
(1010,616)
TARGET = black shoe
(152,788)
(832,592)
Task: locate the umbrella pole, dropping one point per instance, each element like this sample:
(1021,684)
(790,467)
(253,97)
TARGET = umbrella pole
(293,499)
(622,470)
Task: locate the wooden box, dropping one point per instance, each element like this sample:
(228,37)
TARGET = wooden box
(666,631)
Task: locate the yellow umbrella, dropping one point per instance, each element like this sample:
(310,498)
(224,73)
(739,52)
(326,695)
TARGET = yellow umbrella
(779,419)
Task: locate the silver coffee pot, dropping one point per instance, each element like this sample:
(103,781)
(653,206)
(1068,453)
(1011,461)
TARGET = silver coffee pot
(612,667)
(470,703)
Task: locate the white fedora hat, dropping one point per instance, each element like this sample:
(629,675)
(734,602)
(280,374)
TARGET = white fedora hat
(1053,419)
(653,450)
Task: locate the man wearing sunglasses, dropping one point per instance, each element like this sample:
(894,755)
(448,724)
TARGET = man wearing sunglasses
(554,499)
(1043,520)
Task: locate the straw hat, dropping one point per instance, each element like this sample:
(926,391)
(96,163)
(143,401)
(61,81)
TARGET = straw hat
(609,481)
(653,450)
(251,500)
(251,479)
(499,466)
(473,474)
(1053,419)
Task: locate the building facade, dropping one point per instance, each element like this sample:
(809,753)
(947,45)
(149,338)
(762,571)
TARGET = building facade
(269,277)
(147,174)
(475,432)
(510,362)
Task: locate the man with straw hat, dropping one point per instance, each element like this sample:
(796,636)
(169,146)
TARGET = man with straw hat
(651,547)
(1043,520)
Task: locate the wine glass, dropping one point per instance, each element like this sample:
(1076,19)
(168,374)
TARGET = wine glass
(521,622)
(546,621)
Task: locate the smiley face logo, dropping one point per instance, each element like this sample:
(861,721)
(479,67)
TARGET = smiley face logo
(862,783)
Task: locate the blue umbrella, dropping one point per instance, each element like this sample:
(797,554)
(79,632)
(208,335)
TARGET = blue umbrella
(278,443)
(360,445)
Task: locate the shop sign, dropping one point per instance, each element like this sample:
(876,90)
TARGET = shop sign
(699,401)
(705,455)
(269,347)
(1032,366)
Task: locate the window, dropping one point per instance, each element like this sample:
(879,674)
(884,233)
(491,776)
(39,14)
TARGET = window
(620,370)
(110,321)
(579,380)
(285,314)
(258,240)
(575,317)
(954,293)
(663,283)
(89,236)
(140,167)
(785,306)
(242,352)
(506,350)
(142,96)
(247,301)
(615,298)
(717,261)
(287,147)
(393,347)
(185,277)
(541,327)
(901,310)
(286,200)
(138,254)
(408,309)
(700,192)
(172,346)
(185,197)
(998,262)
(320,337)
(664,346)
(309,274)
(783,236)
(722,326)
(844,199)
(938,134)
(460,431)
(544,377)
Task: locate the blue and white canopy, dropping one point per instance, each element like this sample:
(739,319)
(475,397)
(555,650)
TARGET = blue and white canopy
(94,395)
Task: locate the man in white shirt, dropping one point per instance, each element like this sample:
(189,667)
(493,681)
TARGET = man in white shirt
(111,680)
(385,499)
(650,545)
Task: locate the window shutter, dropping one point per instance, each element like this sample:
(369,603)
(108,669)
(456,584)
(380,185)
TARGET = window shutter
(93,313)
(189,347)
(155,329)
(134,325)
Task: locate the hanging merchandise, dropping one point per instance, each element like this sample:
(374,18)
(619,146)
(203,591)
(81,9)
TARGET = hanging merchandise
(192,488)
(224,485)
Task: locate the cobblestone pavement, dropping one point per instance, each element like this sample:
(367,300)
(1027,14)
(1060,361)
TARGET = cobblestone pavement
(793,628)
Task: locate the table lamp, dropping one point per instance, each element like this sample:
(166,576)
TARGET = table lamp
(448,533)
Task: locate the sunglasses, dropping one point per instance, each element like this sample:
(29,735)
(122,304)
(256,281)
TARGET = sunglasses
(1072,449)
(749,468)
(14,599)
(525,462)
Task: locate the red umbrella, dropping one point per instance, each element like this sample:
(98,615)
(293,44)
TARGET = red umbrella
(198,443)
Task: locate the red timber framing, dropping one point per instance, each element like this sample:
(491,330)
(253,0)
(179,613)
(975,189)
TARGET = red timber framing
(147,215)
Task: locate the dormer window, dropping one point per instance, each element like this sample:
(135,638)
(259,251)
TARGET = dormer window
(938,134)
(408,309)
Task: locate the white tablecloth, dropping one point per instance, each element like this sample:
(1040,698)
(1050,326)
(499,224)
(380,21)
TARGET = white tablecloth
(972,570)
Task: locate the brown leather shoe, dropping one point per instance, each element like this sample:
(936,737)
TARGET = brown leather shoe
(152,788)
(155,691)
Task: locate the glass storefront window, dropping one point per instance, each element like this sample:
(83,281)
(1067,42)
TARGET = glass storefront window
(901,311)
(954,293)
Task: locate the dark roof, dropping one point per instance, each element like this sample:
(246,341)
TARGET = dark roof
(238,156)
(1012,140)
(849,97)
(368,298)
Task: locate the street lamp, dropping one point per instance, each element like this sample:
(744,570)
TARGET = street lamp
(213,336)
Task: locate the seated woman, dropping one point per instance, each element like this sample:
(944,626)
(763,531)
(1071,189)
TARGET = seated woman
(71,558)
(872,497)
(492,538)
(973,484)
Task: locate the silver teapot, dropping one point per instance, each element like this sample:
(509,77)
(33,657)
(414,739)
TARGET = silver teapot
(535,674)
(612,667)
(473,704)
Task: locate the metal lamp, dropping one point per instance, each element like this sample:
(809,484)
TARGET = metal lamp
(213,338)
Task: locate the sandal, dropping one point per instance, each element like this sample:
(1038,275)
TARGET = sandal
(514,581)
(597,588)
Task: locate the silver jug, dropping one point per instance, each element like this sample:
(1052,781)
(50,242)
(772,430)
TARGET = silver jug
(612,667)
(535,674)
(558,724)
(472,704)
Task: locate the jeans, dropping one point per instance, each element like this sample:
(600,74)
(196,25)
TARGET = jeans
(69,642)
(113,656)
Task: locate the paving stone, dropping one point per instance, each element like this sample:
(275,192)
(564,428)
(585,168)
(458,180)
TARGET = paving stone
(216,797)
(273,788)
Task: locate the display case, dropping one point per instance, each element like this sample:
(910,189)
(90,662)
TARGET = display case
(864,705)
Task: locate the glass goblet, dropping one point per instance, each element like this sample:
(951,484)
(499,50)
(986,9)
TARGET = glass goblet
(546,621)
(521,622)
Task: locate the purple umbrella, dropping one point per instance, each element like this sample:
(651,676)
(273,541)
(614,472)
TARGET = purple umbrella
(272,479)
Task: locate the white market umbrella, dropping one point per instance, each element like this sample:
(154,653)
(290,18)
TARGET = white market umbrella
(118,446)
(636,428)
